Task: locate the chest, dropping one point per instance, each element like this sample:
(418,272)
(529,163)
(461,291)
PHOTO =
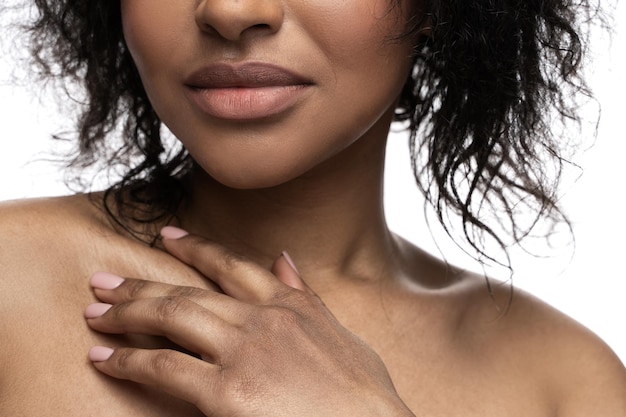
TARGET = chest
(46,370)
(53,377)
(441,369)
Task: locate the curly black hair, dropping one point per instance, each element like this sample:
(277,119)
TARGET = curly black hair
(489,83)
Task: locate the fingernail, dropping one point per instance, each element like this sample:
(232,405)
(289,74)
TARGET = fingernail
(96,310)
(105,281)
(290,262)
(171,232)
(100,353)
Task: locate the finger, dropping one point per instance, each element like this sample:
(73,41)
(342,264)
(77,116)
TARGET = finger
(236,275)
(177,318)
(173,372)
(115,290)
(285,270)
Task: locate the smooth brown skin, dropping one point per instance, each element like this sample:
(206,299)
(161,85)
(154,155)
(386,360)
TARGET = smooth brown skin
(448,351)
(444,342)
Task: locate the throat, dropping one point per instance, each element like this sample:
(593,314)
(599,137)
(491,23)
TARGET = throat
(333,231)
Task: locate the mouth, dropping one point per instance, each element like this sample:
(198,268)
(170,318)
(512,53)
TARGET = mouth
(245,92)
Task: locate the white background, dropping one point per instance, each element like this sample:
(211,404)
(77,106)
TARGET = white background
(590,287)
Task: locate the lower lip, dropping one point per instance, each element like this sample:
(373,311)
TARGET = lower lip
(246,103)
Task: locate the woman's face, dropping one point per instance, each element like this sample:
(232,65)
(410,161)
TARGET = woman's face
(262,91)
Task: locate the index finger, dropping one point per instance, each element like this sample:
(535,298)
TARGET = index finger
(236,275)
(115,290)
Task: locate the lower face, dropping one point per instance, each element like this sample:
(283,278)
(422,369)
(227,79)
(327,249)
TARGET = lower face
(345,75)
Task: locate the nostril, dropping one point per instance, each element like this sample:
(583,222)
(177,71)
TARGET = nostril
(209,29)
(261,27)
(232,19)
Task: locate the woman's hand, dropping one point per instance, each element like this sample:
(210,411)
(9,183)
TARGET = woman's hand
(268,345)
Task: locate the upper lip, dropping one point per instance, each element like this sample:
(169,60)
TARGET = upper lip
(248,75)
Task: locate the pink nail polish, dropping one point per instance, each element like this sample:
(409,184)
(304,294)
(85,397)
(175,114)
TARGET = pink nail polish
(173,233)
(96,310)
(106,281)
(100,353)
(290,262)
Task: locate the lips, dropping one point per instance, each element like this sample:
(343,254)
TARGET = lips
(245,92)
(249,75)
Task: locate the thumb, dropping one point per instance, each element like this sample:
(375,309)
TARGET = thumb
(285,270)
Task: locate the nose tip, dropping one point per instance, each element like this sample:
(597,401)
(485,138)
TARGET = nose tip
(235,19)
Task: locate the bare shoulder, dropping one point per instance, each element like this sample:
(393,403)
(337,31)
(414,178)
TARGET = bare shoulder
(37,232)
(50,235)
(42,283)
(29,219)
(51,240)
(45,247)
(580,374)
(50,206)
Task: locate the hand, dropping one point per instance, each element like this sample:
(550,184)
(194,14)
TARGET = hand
(267,346)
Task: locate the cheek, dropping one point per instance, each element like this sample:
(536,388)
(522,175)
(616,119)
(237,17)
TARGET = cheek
(351,29)
(360,40)
(364,47)
(153,29)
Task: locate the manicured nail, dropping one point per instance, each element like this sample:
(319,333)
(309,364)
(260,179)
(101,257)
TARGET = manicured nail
(106,281)
(290,262)
(96,310)
(100,353)
(173,233)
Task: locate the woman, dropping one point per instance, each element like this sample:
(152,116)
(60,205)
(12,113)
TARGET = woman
(193,306)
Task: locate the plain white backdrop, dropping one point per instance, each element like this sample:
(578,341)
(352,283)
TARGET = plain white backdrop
(589,287)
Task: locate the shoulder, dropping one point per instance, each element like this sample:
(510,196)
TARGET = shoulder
(51,244)
(579,373)
(43,232)
(44,247)
(41,242)
(521,346)
(31,218)
(45,223)
(69,236)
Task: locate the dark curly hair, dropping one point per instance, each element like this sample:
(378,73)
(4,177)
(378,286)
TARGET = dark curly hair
(489,83)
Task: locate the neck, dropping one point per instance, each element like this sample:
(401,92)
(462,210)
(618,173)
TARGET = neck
(330,220)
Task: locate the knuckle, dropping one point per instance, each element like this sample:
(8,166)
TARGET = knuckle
(230,261)
(118,312)
(310,302)
(186,292)
(145,365)
(124,360)
(281,297)
(163,362)
(170,306)
(280,319)
(297,301)
(134,288)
